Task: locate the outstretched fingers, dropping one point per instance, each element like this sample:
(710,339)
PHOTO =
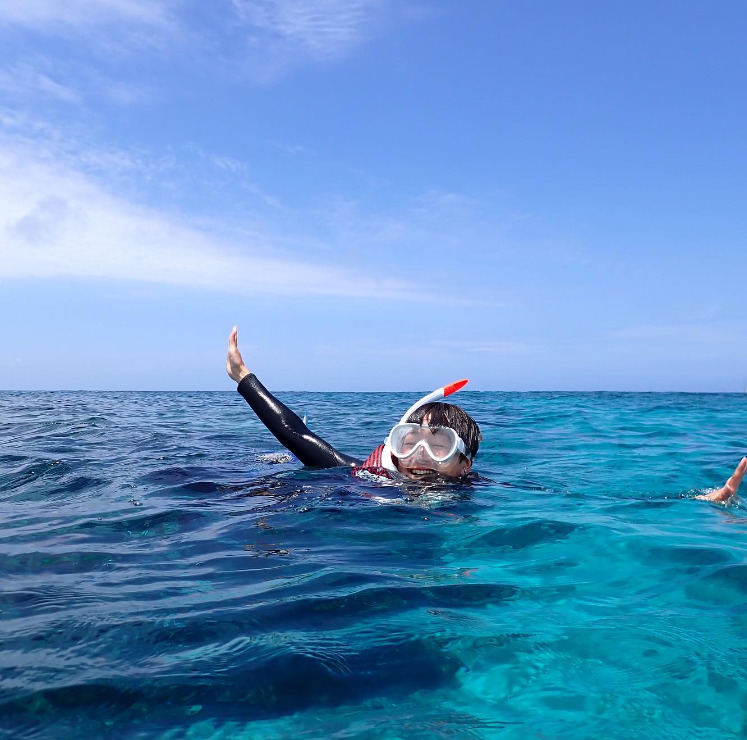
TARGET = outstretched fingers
(235,366)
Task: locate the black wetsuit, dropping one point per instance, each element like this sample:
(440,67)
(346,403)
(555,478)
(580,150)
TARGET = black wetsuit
(288,428)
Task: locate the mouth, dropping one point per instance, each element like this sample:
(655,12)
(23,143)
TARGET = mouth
(418,472)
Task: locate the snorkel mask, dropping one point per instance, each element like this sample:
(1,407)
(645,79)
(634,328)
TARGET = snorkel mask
(439,443)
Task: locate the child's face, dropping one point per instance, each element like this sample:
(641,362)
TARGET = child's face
(421,465)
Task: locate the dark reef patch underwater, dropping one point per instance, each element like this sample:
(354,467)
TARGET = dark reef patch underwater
(166,574)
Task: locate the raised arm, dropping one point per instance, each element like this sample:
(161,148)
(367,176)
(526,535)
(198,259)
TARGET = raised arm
(730,489)
(287,427)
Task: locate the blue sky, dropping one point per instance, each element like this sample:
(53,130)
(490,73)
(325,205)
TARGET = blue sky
(382,195)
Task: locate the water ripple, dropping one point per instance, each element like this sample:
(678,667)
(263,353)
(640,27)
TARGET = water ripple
(169,572)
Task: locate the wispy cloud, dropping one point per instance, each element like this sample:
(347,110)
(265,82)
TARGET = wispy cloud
(438,201)
(58,222)
(693,332)
(239,171)
(72,208)
(37,78)
(322,28)
(291,150)
(686,344)
(491,347)
(83,15)
(24,81)
(107,31)
(427,348)
(259,40)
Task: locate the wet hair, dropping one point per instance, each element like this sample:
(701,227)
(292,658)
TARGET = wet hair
(448,415)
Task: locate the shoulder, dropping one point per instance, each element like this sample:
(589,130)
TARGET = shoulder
(372,466)
(374,459)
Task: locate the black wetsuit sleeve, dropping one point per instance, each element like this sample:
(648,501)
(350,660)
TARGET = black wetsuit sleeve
(288,429)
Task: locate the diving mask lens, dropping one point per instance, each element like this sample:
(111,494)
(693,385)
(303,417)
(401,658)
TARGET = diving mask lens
(441,443)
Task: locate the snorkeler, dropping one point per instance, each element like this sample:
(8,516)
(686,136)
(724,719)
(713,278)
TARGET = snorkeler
(432,440)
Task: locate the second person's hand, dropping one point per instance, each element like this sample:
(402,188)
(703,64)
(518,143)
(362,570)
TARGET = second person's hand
(730,489)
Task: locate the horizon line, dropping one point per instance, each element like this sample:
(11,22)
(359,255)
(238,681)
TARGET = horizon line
(419,390)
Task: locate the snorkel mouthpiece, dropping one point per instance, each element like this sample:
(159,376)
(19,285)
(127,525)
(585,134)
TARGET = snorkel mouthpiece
(436,395)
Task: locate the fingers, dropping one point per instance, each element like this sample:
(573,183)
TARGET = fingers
(233,337)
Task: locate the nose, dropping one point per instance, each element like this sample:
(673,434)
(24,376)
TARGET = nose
(422,456)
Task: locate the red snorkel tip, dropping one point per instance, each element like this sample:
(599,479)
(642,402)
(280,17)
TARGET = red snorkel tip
(454,387)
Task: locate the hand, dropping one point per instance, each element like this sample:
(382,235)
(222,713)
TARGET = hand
(235,366)
(730,489)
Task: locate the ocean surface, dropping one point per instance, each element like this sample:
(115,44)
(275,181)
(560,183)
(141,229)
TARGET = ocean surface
(166,573)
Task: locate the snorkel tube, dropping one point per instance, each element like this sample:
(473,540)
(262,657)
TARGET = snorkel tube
(386,454)
(436,395)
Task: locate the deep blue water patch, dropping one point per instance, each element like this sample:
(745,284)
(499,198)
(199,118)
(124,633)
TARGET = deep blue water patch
(165,573)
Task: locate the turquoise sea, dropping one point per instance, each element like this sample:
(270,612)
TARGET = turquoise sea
(164,573)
